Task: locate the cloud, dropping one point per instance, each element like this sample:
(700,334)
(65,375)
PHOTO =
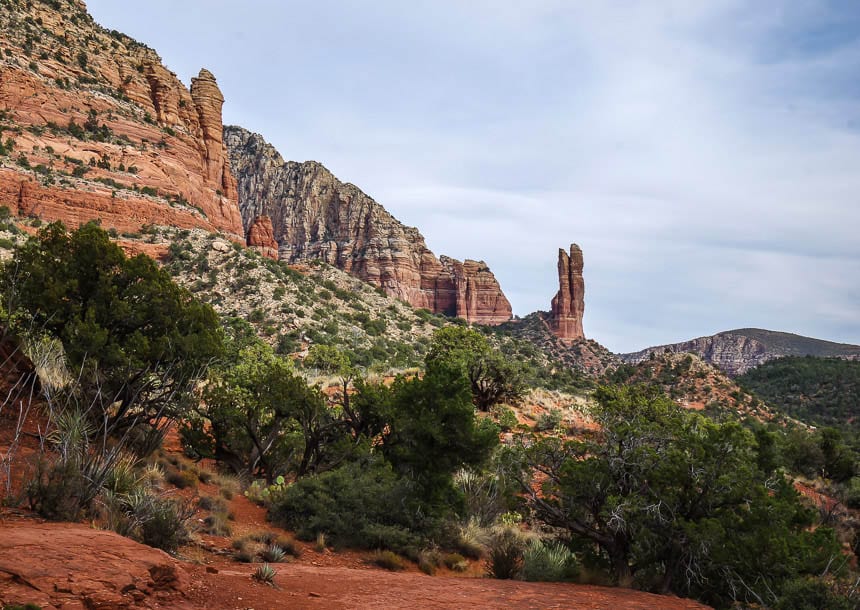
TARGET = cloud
(703,154)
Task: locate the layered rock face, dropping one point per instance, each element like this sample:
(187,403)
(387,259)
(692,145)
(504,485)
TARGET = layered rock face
(316,216)
(568,305)
(100,129)
(737,351)
(261,237)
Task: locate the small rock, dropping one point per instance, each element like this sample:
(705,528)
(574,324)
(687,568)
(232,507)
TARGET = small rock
(220,246)
(211,570)
(312,594)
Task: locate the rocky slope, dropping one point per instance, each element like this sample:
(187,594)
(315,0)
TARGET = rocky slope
(738,351)
(585,356)
(316,216)
(93,126)
(568,305)
(693,384)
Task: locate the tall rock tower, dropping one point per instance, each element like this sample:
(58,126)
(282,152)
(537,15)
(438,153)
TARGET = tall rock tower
(568,305)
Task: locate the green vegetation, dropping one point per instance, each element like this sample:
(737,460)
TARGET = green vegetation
(818,391)
(409,464)
(138,340)
(675,502)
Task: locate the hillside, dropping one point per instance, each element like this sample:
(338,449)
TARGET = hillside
(738,351)
(94,126)
(818,391)
(693,384)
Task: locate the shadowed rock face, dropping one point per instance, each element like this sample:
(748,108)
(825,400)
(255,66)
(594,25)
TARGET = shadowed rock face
(316,216)
(153,153)
(568,305)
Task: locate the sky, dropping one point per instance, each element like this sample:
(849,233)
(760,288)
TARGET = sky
(705,155)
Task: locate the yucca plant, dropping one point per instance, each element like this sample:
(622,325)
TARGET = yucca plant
(265,574)
(547,562)
(273,554)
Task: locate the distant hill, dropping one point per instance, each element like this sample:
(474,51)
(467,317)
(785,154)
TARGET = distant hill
(818,391)
(693,384)
(738,351)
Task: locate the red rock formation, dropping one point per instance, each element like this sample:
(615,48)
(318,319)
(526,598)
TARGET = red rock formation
(261,237)
(316,216)
(156,155)
(568,305)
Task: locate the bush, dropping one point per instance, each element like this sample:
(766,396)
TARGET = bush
(163,521)
(388,560)
(273,554)
(428,561)
(547,562)
(550,420)
(182,478)
(216,525)
(289,546)
(506,554)
(357,505)
(456,562)
(811,594)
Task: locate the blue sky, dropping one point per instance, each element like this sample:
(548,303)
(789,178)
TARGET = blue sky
(705,155)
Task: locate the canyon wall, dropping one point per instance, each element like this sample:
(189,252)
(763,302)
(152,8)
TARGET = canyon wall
(98,128)
(316,216)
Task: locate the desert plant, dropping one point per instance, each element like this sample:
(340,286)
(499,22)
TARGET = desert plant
(549,420)
(213,504)
(472,539)
(289,546)
(181,479)
(506,554)
(388,560)
(455,561)
(320,543)
(163,521)
(246,550)
(547,562)
(216,524)
(273,554)
(429,560)
(265,574)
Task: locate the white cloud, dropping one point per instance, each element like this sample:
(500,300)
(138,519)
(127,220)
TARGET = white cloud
(704,154)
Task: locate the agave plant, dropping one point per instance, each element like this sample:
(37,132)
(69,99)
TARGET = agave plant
(265,574)
(273,554)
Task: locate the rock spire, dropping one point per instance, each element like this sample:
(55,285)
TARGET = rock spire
(568,305)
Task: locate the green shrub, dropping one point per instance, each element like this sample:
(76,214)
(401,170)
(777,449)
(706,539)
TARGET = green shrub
(213,503)
(181,478)
(549,420)
(506,554)
(507,419)
(547,562)
(265,574)
(163,521)
(428,561)
(273,554)
(357,505)
(456,562)
(811,594)
(388,560)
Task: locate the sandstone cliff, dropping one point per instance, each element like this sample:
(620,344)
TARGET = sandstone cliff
(738,351)
(568,305)
(316,216)
(261,237)
(95,127)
